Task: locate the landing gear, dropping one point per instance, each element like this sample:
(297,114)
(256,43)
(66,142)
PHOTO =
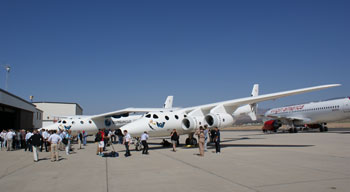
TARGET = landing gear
(323,128)
(191,140)
(138,145)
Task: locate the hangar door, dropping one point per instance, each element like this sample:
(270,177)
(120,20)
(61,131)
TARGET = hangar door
(14,118)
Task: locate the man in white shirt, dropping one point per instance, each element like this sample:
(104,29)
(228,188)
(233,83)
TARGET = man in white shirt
(9,139)
(28,144)
(144,138)
(54,140)
(126,142)
(3,139)
(46,136)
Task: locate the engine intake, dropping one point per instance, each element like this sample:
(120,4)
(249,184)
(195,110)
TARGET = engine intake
(190,123)
(219,120)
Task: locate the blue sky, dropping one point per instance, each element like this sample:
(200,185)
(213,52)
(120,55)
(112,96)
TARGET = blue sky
(107,55)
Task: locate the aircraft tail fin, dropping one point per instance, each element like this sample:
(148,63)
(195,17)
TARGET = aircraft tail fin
(254,106)
(168,102)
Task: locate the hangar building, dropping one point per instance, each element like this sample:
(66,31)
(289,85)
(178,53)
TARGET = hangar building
(53,111)
(17,113)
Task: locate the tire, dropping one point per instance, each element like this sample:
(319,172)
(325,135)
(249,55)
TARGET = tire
(193,141)
(321,129)
(295,130)
(326,129)
(291,130)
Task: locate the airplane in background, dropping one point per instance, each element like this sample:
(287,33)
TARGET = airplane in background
(187,120)
(313,115)
(91,124)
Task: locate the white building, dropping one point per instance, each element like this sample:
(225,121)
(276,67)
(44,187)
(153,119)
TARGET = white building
(53,111)
(17,113)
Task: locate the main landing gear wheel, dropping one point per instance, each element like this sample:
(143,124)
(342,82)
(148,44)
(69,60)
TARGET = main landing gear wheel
(191,141)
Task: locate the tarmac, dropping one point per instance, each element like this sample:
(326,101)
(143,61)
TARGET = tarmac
(250,161)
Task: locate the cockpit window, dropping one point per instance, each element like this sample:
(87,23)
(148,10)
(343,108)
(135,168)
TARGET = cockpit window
(148,116)
(166,117)
(64,122)
(155,116)
(59,121)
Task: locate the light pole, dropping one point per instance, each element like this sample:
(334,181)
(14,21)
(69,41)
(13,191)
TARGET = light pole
(8,68)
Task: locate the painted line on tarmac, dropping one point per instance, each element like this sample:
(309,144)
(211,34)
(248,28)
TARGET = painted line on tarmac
(207,171)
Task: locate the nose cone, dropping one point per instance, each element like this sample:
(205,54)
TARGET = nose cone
(137,127)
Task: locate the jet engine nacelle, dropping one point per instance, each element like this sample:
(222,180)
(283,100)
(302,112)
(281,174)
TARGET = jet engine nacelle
(191,123)
(219,120)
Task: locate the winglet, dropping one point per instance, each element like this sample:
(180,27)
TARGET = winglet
(254,106)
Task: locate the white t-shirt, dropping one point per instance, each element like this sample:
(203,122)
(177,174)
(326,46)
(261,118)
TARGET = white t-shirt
(127,137)
(144,137)
(10,135)
(54,138)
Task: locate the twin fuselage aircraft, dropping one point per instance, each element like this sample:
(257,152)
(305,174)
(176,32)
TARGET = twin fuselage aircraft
(161,121)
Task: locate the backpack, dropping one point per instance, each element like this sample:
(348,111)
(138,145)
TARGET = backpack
(98,137)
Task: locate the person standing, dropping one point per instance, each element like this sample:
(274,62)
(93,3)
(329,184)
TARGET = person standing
(100,142)
(206,136)
(36,140)
(126,142)
(217,140)
(174,137)
(28,144)
(201,139)
(80,139)
(54,141)
(84,137)
(9,139)
(3,139)
(69,138)
(144,138)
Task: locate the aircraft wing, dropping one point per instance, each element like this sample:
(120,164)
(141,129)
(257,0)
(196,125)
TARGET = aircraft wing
(125,111)
(231,105)
(291,118)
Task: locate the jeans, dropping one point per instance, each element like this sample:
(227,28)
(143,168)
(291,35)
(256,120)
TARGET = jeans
(127,151)
(68,147)
(217,146)
(145,147)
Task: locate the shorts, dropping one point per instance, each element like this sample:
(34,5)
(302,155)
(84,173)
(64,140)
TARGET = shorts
(173,142)
(101,144)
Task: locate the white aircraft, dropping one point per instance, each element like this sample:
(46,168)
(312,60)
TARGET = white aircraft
(187,120)
(91,124)
(313,115)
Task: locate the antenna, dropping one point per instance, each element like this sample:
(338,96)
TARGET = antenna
(8,68)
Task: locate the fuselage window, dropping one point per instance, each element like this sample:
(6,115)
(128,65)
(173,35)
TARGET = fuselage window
(90,121)
(176,117)
(72,122)
(185,116)
(82,122)
(59,121)
(166,117)
(155,116)
(148,116)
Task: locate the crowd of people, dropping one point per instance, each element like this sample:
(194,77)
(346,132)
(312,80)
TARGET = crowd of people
(43,140)
(54,141)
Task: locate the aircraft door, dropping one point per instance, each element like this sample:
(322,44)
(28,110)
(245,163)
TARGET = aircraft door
(346,106)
